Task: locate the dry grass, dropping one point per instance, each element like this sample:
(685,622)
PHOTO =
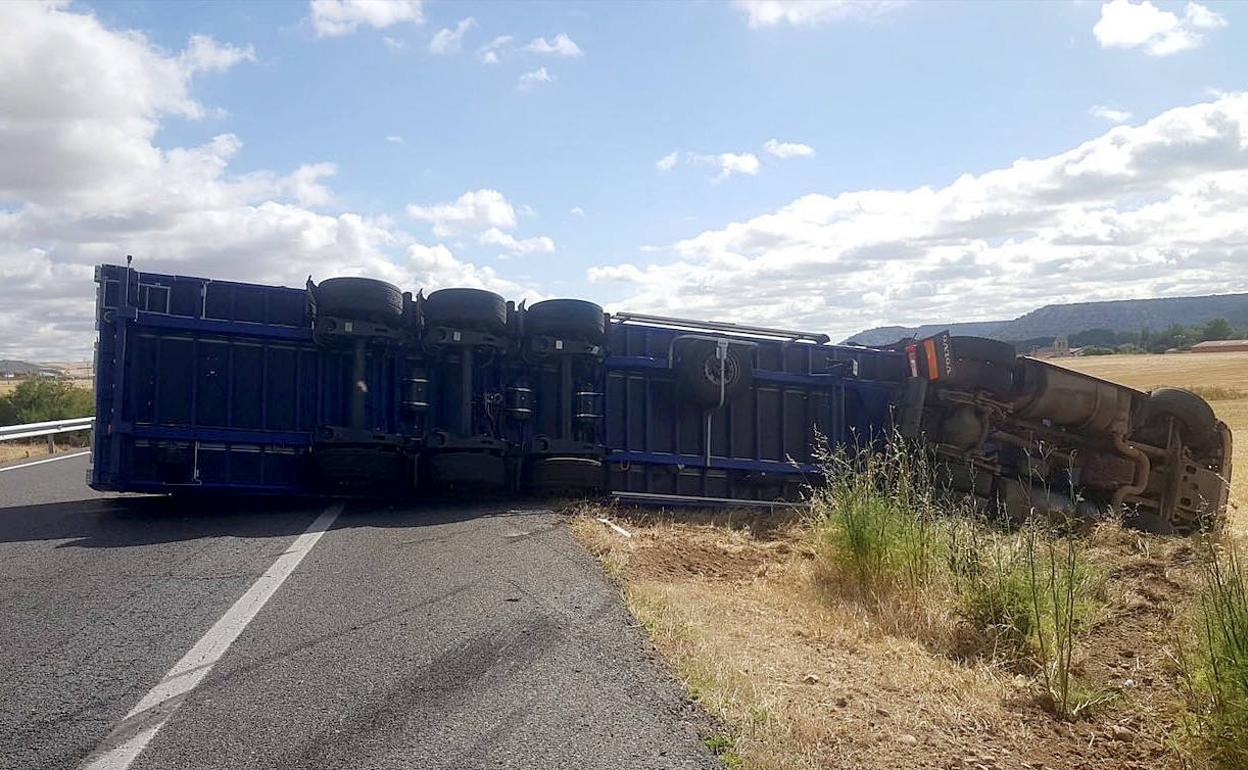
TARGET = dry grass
(13,451)
(1182,370)
(804,677)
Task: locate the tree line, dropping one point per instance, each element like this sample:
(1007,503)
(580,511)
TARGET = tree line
(1146,340)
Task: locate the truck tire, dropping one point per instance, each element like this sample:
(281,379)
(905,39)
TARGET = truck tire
(467,469)
(698,372)
(357,468)
(982,363)
(565,474)
(468,309)
(1197,423)
(360,298)
(571,318)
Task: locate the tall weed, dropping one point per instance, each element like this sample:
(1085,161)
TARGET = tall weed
(1219,671)
(874,519)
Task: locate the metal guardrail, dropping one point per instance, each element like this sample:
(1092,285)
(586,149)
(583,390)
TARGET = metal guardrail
(35,429)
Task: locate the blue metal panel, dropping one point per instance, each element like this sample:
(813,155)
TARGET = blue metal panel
(217,385)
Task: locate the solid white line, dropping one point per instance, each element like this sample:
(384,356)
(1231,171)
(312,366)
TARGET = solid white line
(48,460)
(128,739)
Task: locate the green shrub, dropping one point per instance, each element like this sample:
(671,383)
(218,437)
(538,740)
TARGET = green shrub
(992,587)
(41,400)
(8,412)
(874,518)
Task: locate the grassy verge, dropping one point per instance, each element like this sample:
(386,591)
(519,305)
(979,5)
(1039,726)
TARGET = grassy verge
(1023,596)
(1217,664)
(14,451)
(885,632)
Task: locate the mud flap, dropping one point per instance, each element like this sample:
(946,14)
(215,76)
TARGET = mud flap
(910,415)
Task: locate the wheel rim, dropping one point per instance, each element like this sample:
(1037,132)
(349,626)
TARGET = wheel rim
(711,369)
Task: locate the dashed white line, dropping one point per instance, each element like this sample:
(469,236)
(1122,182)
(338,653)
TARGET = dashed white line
(128,739)
(47,460)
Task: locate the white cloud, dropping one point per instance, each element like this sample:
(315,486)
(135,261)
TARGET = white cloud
(730,163)
(577,211)
(494,237)
(530,79)
(801,13)
(1148,210)
(474,210)
(203,54)
(787,149)
(491,52)
(1124,24)
(395,139)
(451,40)
(1109,113)
(305,187)
(393,43)
(82,182)
(561,45)
(335,18)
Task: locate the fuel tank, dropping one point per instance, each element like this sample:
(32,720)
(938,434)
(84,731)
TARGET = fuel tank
(1045,391)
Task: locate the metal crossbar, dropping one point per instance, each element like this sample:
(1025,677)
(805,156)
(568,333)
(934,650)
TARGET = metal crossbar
(34,429)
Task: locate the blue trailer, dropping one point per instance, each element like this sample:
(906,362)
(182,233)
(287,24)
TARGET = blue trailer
(352,386)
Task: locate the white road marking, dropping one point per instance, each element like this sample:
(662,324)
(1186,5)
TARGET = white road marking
(48,460)
(128,739)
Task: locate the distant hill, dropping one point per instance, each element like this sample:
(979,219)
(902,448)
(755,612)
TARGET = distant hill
(9,368)
(1128,315)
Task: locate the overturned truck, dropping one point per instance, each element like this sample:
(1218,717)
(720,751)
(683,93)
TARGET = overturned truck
(351,387)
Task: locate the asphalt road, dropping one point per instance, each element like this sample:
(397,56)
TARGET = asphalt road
(407,637)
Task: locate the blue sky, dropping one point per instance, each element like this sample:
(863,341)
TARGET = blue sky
(887,97)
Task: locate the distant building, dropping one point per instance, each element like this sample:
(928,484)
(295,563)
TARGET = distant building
(1059,349)
(1221,346)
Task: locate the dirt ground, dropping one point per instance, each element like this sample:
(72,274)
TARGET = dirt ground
(801,680)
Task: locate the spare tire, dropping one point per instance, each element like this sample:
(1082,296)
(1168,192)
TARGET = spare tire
(1198,426)
(358,469)
(701,377)
(360,298)
(467,469)
(571,318)
(468,309)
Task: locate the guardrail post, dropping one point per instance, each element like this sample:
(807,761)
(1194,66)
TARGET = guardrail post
(51,444)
